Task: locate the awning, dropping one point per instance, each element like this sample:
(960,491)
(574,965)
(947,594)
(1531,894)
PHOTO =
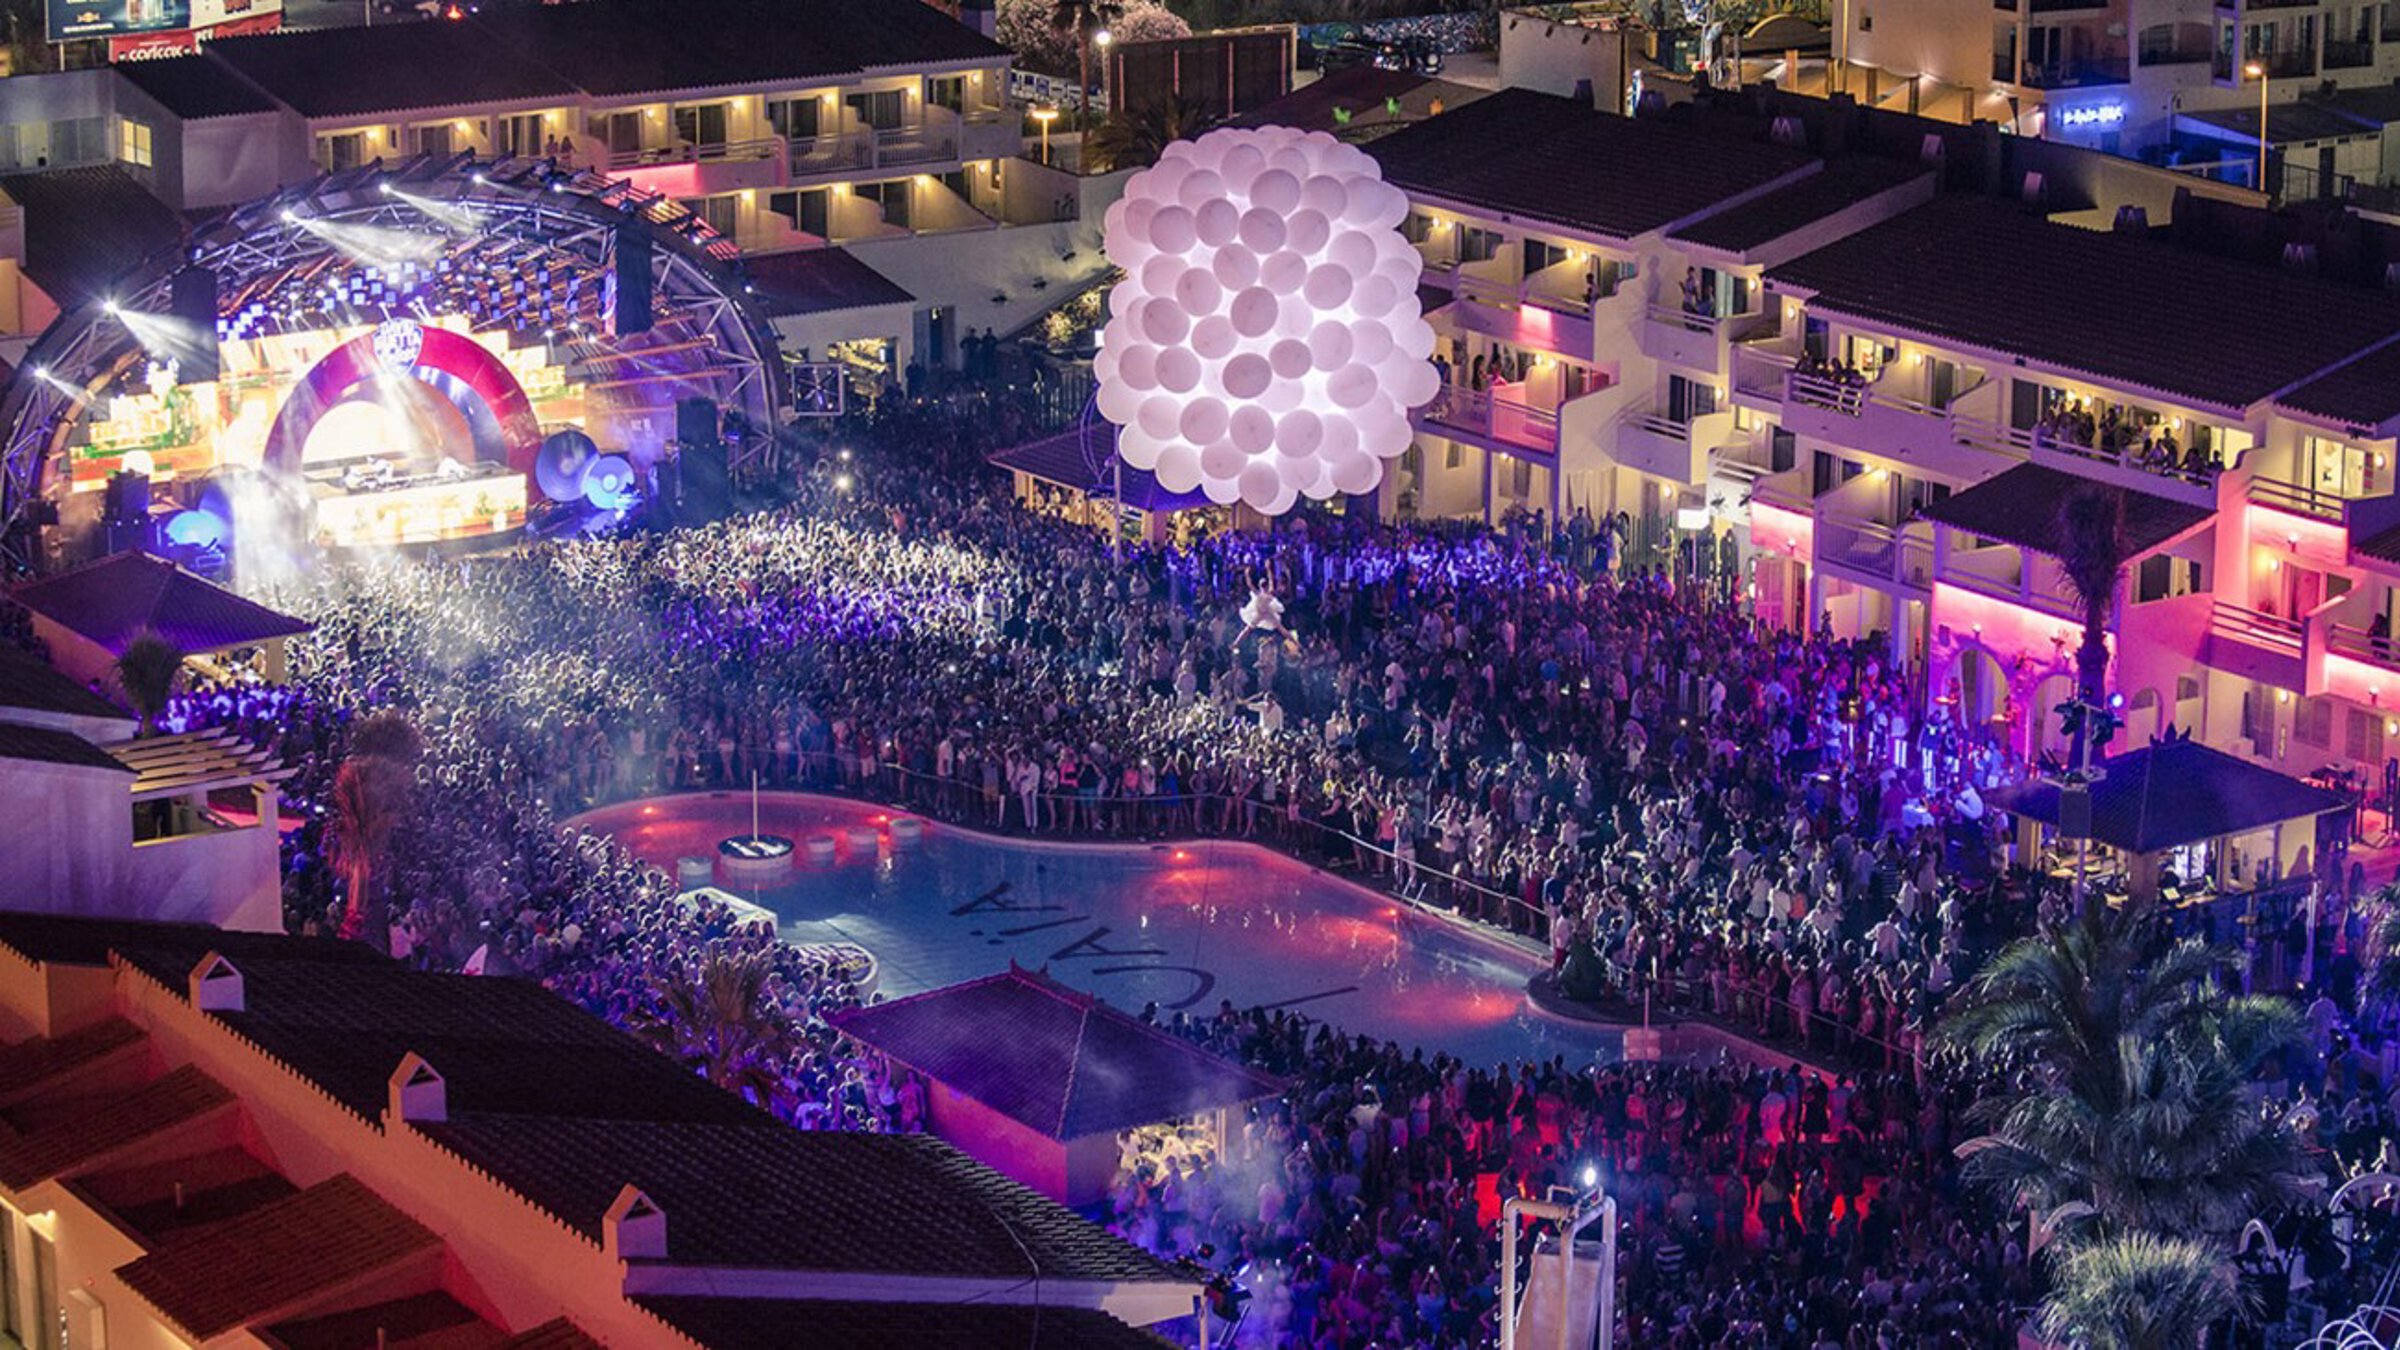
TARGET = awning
(196,761)
(2170,796)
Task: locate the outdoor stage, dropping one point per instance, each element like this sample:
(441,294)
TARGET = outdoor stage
(419,354)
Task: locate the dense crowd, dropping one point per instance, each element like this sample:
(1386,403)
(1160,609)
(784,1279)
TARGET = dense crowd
(1736,821)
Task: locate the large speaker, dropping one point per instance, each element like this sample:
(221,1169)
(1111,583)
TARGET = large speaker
(192,299)
(696,422)
(633,278)
(707,487)
(2075,811)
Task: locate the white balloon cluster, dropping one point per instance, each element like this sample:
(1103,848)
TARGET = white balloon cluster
(1266,340)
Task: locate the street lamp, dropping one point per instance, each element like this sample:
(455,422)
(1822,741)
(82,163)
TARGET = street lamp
(2257,70)
(1045,116)
(1101,39)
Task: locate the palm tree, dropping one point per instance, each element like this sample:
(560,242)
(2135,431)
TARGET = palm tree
(1136,137)
(2383,986)
(2138,1291)
(370,797)
(1083,18)
(722,1024)
(147,670)
(2139,1097)
(2092,553)
(387,735)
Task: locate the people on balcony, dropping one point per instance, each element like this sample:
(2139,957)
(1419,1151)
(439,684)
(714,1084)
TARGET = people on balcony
(2115,433)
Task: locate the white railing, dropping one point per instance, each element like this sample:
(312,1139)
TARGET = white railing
(1500,419)
(686,152)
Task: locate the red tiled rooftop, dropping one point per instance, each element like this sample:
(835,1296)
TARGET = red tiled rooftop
(427,1321)
(61,1139)
(109,601)
(281,1260)
(41,1064)
(160,1201)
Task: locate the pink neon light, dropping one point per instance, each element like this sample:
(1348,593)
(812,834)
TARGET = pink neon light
(1774,529)
(354,363)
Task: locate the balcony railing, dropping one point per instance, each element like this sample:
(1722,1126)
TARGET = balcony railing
(685,152)
(922,143)
(2138,458)
(2361,645)
(2256,628)
(1514,295)
(2073,74)
(2299,500)
(1506,420)
(1827,392)
(2174,54)
(1676,316)
(2348,55)
(833,151)
(2295,65)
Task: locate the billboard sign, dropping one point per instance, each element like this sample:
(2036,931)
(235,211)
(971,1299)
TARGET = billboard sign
(71,20)
(185,41)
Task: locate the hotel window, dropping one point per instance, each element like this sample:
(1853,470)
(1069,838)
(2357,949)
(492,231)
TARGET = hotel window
(133,142)
(520,135)
(704,124)
(2312,723)
(1540,254)
(894,197)
(795,119)
(623,132)
(946,91)
(883,110)
(346,151)
(2363,737)
(435,140)
(1417,227)
(806,210)
(721,213)
(1476,245)
(2258,720)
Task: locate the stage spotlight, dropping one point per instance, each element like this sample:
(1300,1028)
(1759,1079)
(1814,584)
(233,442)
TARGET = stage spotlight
(290,217)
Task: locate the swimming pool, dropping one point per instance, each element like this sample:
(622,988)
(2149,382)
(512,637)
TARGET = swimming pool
(1182,925)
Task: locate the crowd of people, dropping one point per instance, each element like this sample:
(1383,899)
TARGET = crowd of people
(1627,767)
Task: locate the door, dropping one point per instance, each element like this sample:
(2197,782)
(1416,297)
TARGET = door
(624,132)
(701,124)
(1941,383)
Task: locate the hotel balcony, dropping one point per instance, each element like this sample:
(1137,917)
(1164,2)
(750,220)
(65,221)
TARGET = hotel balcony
(1761,373)
(1887,557)
(2296,499)
(1876,419)
(1492,421)
(1649,441)
(2124,467)
(1681,337)
(684,170)
(1522,315)
(2255,645)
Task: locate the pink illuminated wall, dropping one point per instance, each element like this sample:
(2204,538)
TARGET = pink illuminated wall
(354,363)
(1786,533)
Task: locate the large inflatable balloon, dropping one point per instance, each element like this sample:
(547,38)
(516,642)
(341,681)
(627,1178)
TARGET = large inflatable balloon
(1266,340)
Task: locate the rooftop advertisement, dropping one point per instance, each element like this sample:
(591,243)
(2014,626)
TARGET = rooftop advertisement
(71,20)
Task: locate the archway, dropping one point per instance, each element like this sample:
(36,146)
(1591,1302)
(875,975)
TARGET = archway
(2142,720)
(455,366)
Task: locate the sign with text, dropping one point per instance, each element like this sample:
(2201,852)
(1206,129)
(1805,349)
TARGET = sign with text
(185,41)
(70,20)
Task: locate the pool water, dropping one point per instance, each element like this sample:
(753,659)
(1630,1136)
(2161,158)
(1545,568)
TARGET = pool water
(1181,925)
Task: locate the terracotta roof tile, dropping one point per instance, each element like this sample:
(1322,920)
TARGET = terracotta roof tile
(2022,505)
(165,1200)
(429,1321)
(43,745)
(556,1334)
(78,1135)
(37,1065)
(773,1196)
(280,1259)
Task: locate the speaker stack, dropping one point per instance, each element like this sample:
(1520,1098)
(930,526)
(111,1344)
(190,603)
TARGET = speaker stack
(125,511)
(192,300)
(633,278)
(702,462)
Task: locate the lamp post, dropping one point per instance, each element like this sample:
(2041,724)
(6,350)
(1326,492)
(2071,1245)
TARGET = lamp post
(1045,116)
(1101,39)
(2257,70)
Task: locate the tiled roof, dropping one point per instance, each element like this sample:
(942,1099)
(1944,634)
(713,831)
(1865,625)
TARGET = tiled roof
(1841,185)
(2115,306)
(1084,459)
(2168,796)
(194,87)
(280,1258)
(605,47)
(43,745)
(35,1065)
(502,1046)
(345,72)
(1544,158)
(636,46)
(111,600)
(1363,90)
(556,1334)
(781,1324)
(86,228)
(427,1321)
(167,950)
(1070,1066)
(820,281)
(2288,123)
(162,1201)
(2365,392)
(30,683)
(772,1196)
(70,1136)
(2022,506)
